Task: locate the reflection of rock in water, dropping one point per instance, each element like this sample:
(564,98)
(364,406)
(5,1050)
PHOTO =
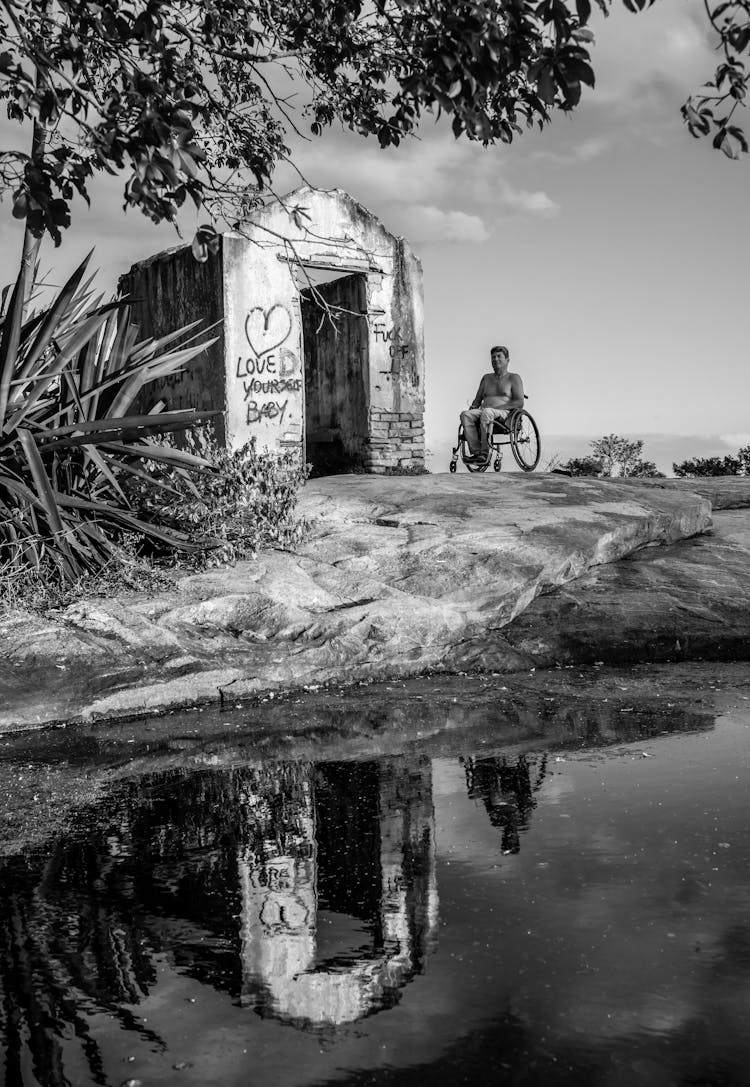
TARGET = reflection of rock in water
(340,914)
(507,791)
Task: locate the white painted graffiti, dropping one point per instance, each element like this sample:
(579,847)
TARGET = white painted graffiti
(288,385)
(270,367)
(270,409)
(267,329)
(283,367)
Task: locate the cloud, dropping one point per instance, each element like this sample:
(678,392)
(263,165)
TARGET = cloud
(535,203)
(646,66)
(420,171)
(735,441)
(586,150)
(416,187)
(684,39)
(630,47)
(427,223)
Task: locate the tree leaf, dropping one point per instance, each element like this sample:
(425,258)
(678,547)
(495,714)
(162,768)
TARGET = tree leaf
(583,7)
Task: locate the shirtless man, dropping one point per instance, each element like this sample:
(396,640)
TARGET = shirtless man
(497,394)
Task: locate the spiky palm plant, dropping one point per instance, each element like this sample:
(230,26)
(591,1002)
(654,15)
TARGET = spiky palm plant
(69,436)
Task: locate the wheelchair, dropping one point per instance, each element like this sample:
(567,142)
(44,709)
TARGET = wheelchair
(517,429)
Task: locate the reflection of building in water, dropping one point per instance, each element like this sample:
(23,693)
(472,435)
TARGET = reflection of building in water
(330,870)
(339,905)
(507,791)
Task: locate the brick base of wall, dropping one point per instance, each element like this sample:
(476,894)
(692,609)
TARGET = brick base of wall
(396,441)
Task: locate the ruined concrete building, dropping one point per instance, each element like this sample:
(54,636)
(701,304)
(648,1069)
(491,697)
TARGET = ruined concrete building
(319,325)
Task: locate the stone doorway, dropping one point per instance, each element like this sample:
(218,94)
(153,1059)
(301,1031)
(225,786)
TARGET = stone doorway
(335,341)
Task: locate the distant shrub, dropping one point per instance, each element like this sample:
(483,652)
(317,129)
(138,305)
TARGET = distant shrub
(612,456)
(583,466)
(697,467)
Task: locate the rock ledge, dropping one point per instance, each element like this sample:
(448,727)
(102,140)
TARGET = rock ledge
(399,576)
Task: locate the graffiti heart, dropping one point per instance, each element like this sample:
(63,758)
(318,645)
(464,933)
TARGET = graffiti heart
(267,329)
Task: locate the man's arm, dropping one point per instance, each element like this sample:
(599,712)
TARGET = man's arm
(477,401)
(515,400)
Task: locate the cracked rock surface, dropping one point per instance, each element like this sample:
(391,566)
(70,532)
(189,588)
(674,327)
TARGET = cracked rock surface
(399,575)
(690,601)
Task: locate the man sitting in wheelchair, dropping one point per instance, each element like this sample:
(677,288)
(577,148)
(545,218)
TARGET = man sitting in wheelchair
(498,393)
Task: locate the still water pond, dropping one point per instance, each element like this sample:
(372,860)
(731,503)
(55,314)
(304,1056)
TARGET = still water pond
(513,916)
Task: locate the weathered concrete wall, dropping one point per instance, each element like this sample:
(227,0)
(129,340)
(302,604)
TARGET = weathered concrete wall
(263,337)
(172,290)
(397,413)
(345,235)
(255,374)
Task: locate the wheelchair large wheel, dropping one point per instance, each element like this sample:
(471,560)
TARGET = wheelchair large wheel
(524,440)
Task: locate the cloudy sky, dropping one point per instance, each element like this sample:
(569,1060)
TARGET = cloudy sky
(608,252)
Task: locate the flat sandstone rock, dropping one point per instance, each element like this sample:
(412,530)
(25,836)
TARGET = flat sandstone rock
(399,575)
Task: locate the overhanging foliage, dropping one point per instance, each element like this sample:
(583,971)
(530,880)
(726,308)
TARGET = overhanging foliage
(190,99)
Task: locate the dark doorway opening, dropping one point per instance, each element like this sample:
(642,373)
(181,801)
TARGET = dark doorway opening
(336,352)
(349,870)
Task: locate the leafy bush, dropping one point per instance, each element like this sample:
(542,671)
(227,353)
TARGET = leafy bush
(583,466)
(68,377)
(34,590)
(729,465)
(246,501)
(613,456)
(621,457)
(407,470)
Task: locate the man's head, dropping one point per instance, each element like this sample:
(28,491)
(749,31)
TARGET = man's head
(500,357)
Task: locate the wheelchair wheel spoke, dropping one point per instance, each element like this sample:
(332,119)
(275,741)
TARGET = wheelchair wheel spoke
(524,441)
